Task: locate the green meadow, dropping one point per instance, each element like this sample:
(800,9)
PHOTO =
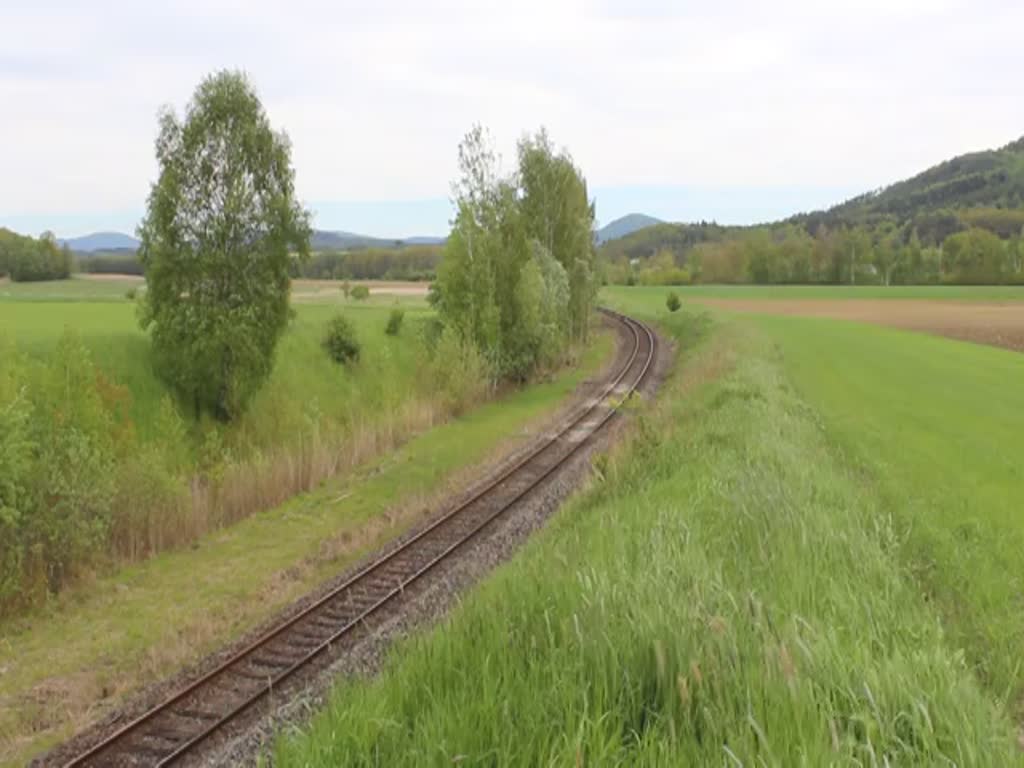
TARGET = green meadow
(938,427)
(304,382)
(78,654)
(808,554)
(75,289)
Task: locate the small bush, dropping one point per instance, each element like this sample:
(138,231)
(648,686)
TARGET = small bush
(672,301)
(340,341)
(459,371)
(395,322)
(360,292)
(130,294)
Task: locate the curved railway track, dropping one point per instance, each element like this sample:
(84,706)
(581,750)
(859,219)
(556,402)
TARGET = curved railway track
(180,724)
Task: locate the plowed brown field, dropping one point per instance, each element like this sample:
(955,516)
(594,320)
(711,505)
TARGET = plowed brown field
(997,324)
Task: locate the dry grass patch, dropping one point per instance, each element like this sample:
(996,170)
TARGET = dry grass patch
(999,324)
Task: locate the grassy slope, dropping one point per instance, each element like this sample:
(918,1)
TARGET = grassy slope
(731,593)
(133,627)
(304,383)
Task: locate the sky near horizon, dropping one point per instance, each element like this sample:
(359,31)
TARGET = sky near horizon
(735,110)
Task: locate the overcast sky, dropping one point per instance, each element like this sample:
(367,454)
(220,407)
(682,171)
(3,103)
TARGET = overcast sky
(724,109)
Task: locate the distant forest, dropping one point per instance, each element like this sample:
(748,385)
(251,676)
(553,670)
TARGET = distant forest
(959,222)
(25,259)
(411,262)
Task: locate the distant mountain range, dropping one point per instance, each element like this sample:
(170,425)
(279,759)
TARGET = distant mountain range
(321,241)
(624,226)
(324,240)
(101,241)
(343,241)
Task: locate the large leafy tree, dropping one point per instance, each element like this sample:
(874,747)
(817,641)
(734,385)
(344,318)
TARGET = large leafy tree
(217,240)
(479,276)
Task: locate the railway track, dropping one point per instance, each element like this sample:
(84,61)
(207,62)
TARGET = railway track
(179,725)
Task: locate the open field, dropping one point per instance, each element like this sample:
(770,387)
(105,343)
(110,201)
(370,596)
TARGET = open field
(64,666)
(79,288)
(950,292)
(303,376)
(103,287)
(985,314)
(938,426)
(808,556)
(999,324)
(331,290)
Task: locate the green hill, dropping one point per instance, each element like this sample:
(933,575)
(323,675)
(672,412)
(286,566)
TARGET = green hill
(989,179)
(977,190)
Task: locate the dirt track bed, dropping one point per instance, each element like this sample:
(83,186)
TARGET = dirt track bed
(996,324)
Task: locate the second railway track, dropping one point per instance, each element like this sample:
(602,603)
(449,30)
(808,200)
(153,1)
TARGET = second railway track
(183,722)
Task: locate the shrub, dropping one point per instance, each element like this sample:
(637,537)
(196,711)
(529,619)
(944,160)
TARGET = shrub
(459,371)
(395,322)
(672,301)
(430,334)
(340,341)
(76,461)
(130,294)
(360,292)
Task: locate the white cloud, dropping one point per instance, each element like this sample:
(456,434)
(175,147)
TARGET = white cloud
(375,96)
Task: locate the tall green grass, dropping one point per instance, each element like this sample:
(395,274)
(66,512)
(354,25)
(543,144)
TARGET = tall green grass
(173,475)
(729,593)
(79,657)
(937,427)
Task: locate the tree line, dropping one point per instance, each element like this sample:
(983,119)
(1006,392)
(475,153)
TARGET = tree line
(26,259)
(412,262)
(121,262)
(972,246)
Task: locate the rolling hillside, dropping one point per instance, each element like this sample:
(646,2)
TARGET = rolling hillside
(989,179)
(979,189)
